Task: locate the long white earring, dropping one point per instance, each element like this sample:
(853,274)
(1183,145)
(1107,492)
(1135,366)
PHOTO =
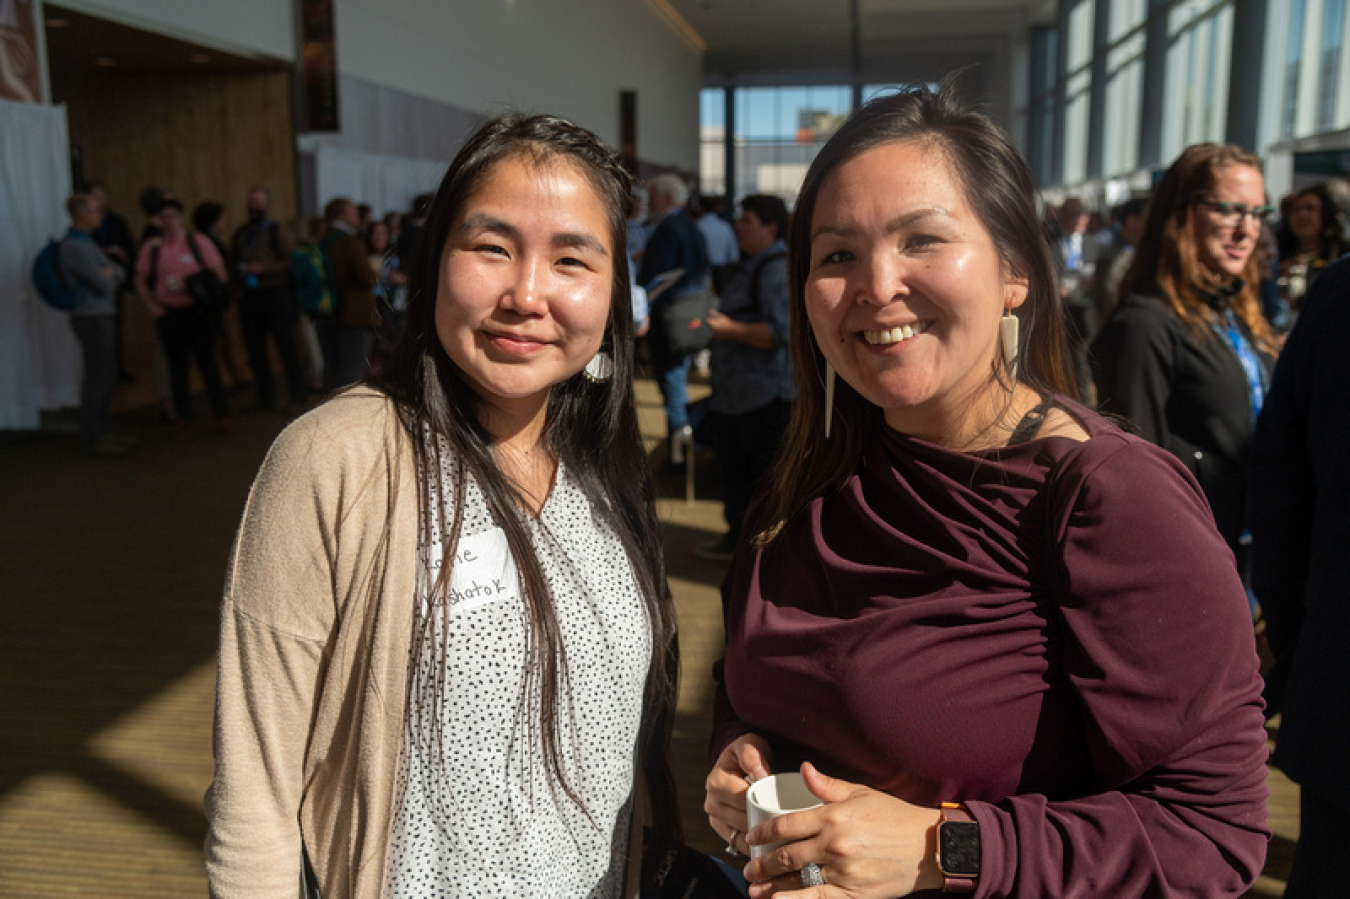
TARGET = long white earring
(600,369)
(829,398)
(1008,328)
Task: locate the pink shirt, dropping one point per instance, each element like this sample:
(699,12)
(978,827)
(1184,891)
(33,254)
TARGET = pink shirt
(175,263)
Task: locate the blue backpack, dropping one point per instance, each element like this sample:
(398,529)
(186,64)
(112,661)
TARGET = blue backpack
(311,275)
(50,281)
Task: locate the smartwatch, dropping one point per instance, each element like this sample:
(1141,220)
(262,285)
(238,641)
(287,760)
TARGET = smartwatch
(958,853)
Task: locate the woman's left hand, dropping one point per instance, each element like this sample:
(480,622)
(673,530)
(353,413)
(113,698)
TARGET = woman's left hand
(866,843)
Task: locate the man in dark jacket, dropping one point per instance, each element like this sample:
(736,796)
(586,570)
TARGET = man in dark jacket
(1300,524)
(675,243)
(351,334)
(261,250)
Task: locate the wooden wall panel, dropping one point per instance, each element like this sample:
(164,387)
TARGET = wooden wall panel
(205,137)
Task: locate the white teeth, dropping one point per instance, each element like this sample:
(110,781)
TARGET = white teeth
(895,335)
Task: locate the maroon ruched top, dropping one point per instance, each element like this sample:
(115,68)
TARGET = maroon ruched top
(1106,732)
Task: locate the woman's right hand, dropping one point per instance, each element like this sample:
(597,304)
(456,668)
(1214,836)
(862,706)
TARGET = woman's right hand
(742,763)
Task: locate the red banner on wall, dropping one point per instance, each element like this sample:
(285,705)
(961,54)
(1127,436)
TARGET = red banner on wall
(318,54)
(19,76)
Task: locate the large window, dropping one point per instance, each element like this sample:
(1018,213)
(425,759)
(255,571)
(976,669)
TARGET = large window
(1333,16)
(777,132)
(1124,95)
(712,141)
(1200,46)
(1078,90)
(1293,63)
(1041,104)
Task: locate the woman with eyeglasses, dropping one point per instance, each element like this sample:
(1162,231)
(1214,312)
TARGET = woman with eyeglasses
(1186,355)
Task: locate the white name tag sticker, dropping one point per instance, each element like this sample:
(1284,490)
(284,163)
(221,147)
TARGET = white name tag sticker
(483,572)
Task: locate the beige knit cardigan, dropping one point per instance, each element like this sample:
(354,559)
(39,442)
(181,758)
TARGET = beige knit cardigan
(315,632)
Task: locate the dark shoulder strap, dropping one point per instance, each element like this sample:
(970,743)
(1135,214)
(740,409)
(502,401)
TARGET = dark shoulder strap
(155,246)
(196,250)
(759,270)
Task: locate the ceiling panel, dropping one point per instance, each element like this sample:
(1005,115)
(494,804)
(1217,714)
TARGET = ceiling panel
(80,45)
(764,41)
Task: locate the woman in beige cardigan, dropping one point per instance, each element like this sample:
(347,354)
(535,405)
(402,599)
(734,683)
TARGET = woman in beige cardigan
(446,639)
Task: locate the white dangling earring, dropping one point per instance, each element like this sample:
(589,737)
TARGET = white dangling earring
(600,369)
(829,398)
(1008,328)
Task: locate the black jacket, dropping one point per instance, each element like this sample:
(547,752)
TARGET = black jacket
(1300,521)
(1184,391)
(676,243)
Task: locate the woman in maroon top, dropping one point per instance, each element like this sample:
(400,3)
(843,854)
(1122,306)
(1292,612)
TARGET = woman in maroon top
(961,586)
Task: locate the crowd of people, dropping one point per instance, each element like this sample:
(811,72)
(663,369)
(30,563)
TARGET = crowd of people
(325,333)
(998,540)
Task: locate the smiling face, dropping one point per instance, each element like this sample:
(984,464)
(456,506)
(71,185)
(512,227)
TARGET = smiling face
(1223,249)
(906,290)
(1305,217)
(525,281)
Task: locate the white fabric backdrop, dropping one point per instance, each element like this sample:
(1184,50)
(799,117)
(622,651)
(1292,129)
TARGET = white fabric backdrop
(39,357)
(387,183)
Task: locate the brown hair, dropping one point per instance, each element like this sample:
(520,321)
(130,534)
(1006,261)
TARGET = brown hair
(1166,263)
(1001,190)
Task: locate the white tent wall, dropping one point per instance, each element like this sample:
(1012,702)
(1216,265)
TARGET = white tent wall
(39,357)
(387,183)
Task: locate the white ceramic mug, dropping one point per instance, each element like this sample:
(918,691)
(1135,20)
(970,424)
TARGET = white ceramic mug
(777,794)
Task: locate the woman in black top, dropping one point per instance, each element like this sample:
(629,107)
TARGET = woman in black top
(1186,354)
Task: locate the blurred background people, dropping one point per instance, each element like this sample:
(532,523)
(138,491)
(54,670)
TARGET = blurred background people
(262,251)
(95,279)
(1310,239)
(185,332)
(675,242)
(1115,255)
(1076,256)
(1273,305)
(208,219)
(1186,354)
(752,385)
(355,316)
(114,237)
(391,285)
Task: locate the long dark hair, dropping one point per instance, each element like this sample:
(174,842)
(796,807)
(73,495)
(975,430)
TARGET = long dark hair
(1166,263)
(1329,243)
(1000,189)
(590,427)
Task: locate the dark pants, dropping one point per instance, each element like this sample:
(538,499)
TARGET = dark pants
(671,372)
(98,343)
(187,334)
(274,312)
(745,446)
(1321,867)
(354,346)
(326,330)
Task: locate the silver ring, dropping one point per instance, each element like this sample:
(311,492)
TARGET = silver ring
(811,875)
(731,844)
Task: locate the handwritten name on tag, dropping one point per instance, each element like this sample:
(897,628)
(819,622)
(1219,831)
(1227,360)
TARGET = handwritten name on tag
(483,572)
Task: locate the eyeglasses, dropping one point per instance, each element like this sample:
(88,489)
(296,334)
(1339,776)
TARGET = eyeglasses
(1231,215)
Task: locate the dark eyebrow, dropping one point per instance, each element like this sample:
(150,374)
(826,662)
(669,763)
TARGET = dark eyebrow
(480,221)
(899,223)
